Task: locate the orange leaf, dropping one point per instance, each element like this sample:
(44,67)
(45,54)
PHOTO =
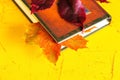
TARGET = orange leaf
(38,35)
(75,42)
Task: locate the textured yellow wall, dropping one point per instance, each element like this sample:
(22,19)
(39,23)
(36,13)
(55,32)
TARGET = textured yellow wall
(21,61)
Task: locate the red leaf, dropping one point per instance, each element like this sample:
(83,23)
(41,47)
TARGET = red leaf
(75,42)
(72,11)
(40,5)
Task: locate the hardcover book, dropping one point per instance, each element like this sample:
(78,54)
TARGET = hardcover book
(61,30)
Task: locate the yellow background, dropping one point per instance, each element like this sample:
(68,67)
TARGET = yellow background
(21,61)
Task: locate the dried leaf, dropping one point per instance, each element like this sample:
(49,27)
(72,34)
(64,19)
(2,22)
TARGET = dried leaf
(38,35)
(72,11)
(75,42)
(40,5)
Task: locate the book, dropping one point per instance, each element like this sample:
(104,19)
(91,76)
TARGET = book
(61,30)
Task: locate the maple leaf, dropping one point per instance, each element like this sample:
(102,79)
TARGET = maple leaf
(37,34)
(75,42)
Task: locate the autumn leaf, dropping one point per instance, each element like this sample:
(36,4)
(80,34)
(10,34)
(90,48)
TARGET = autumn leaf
(40,5)
(37,34)
(75,42)
(72,11)
(105,1)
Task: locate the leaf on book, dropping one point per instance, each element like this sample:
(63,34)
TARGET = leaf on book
(75,42)
(72,11)
(40,5)
(37,34)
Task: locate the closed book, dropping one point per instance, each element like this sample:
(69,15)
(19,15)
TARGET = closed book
(61,30)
